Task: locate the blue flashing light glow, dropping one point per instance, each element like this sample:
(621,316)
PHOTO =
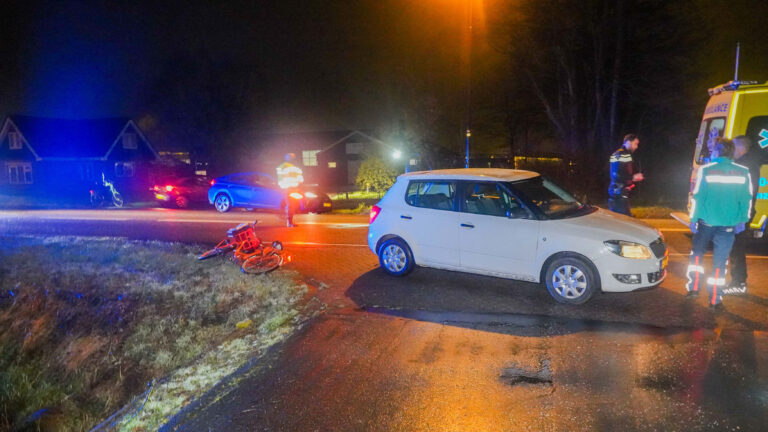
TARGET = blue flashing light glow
(120,297)
(11,293)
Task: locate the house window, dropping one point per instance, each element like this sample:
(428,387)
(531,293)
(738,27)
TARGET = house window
(354,148)
(13,141)
(19,173)
(309,157)
(129,141)
(331,164)
(125,169)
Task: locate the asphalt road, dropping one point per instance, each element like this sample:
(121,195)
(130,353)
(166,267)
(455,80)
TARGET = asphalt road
(448,351)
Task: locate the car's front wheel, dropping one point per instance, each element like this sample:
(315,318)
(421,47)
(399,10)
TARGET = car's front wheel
(395,257)
(571,280)
(222,203)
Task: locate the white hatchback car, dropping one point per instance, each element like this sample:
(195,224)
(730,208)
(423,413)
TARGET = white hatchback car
(513,224)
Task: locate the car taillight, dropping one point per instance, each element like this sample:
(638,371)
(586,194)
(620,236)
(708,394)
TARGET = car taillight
(295,195)
(169,188)
(213,182)
(375,210)
(310,195)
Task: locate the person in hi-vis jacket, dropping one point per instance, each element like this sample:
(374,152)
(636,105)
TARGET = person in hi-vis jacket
(720,208)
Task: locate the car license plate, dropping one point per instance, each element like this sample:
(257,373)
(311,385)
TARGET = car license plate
(326,204)
(663,263)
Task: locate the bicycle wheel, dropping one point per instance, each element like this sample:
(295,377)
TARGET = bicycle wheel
(117,199)
(258,264)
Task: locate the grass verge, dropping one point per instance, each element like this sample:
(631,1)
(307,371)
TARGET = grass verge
(86,324)
(653,212)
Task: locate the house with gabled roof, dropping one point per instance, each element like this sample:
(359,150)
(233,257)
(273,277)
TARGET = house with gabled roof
(330,159)
(66,156)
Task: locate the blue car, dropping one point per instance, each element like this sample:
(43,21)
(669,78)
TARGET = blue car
(257,190)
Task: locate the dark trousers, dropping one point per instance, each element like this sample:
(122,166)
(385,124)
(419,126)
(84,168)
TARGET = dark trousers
(739,258)
(722,238)
(619,204)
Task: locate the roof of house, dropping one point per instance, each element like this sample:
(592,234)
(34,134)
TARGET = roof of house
(319,140)
(65,138)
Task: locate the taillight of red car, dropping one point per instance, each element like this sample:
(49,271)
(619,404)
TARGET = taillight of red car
(296,195)
(213,182)
(375,210)
(169,188)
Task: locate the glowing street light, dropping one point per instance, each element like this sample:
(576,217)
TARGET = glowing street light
(396,154)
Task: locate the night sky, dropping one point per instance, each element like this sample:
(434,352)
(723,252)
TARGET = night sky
(299,64)
(192,69)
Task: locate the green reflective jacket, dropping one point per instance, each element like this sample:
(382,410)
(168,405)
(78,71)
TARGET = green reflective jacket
(722,195)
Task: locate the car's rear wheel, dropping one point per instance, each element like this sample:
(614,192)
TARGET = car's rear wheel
(395,257)
(222,203)
(181,201)
(571,280)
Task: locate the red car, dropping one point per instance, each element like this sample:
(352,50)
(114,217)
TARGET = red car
(182,192)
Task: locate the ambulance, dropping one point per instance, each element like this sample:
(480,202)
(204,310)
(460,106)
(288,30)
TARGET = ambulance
(735,108)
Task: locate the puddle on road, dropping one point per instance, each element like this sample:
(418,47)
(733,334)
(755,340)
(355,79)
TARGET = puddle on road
(514,375)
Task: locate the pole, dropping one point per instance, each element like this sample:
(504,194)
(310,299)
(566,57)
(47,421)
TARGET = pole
(469,88)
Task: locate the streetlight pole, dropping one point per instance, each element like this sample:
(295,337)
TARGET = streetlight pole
(468,132)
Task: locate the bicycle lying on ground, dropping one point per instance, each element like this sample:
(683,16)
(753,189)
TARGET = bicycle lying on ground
(104,192)
(249,251)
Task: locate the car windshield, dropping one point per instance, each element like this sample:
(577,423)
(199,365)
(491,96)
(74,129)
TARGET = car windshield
(550,198)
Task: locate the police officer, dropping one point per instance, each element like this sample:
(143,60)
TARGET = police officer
(624,175)
(749,156)
(720,207)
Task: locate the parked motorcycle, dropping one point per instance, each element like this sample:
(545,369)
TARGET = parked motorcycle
(104,192)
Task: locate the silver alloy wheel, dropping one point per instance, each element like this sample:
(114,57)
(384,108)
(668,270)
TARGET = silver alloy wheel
(222,203)
(394,258)
(569,282)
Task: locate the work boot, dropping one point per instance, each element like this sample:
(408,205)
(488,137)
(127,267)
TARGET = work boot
(717,307)
(738,289)
(692,294)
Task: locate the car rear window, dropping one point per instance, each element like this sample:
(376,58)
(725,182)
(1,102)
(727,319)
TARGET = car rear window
(436,195)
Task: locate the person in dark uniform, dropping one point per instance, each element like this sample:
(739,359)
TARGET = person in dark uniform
(750,157)
(624,175)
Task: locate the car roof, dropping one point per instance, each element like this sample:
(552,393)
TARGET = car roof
(492,174)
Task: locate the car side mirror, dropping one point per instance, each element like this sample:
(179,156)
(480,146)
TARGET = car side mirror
(517,213)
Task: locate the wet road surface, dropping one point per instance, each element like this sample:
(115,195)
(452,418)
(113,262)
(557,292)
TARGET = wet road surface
(447,351)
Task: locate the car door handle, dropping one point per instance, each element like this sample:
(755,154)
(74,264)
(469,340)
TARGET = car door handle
(466,225)
(405,217)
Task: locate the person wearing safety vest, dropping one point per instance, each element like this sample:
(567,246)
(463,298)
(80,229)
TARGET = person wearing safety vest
(289,177)
(624,175)
(720,208)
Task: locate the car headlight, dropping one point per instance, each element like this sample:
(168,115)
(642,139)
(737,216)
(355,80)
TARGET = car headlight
(310,195)
(628,249)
